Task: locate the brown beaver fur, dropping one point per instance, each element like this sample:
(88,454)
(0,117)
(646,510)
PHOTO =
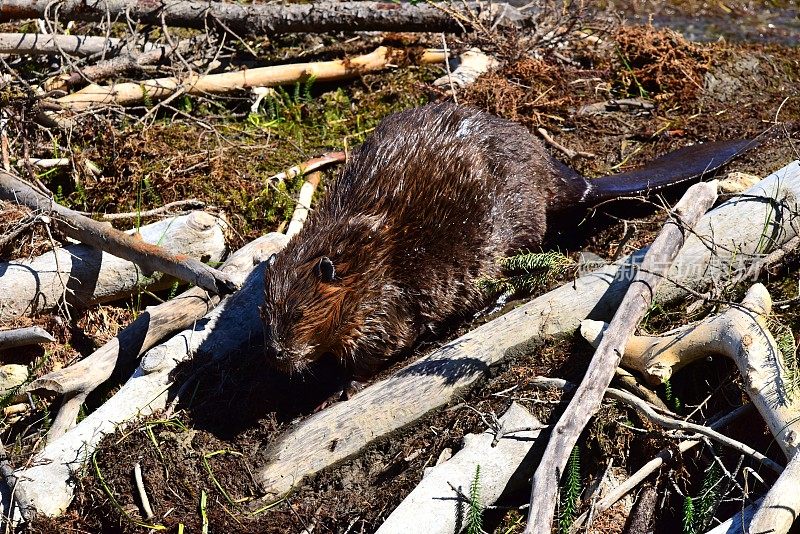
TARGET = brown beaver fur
(422,210)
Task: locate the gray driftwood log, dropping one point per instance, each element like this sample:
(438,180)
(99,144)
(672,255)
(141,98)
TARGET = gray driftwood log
(48,485)
(445,489)
(105,237)
(589,395)
(82,276)
(261,19)
(344,429)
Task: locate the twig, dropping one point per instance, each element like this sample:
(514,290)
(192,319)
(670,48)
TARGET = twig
(166,208)
(677,424)
(130,61)
(651,467)
(147,511)
(311,165)
(303,203)
(571,154)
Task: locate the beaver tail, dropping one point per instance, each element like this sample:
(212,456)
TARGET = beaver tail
(675,167)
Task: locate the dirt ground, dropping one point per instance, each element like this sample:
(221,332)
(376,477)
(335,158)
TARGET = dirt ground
(216,151)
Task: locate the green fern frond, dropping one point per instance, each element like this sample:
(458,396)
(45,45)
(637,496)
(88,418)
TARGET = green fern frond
(475,514)
(534,271)
(709,498)
(570,491)
(688,516)
(534,261)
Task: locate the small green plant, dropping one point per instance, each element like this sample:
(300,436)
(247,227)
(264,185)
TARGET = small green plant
(570,491)
(671,398)
(533,270)
(784,338)
(475,514)
(688,515)
(710,496)
(642,91)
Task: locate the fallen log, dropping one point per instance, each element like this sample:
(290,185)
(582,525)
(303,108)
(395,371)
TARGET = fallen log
(82,276)
(589,395)
(132,93)
(47,486)
(20,337)
(149,257)
(261,19)
(40,43)
(716,255)
(495,455)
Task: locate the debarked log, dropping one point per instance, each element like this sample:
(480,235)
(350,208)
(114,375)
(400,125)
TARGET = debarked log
(440,502)
(717,254)
(82,276)
(132,93)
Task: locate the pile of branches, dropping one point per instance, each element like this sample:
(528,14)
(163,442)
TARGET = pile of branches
(220,314)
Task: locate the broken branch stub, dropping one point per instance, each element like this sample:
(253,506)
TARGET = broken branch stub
(82,275)
(149,257)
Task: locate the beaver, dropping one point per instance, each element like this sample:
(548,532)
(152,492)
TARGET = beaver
(421,212)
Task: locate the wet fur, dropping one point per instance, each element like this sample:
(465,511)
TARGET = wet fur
(421,211)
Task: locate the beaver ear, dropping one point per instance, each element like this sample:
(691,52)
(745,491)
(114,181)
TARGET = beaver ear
(325,270)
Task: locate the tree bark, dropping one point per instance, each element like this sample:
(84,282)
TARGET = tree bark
(260,19)
(104,237)
(39,43)
(130,60)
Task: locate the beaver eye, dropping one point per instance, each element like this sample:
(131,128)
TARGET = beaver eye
(325,269)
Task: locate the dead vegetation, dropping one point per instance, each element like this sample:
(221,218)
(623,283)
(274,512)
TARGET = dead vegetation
(621,92)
